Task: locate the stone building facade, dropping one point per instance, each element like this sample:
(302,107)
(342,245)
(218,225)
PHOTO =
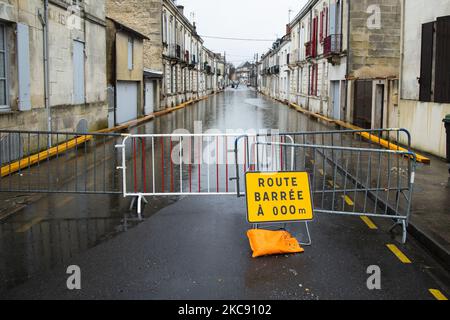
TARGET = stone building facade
(125,73)
(350,76)
(77,65)
(373,61)
(424,74)
(174,50)
(144,17)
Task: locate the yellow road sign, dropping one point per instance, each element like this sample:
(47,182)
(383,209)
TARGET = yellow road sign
(274,197)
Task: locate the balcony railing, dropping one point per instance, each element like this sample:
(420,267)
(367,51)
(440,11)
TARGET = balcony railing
(274,70)
(309,50)
(175,51)
(332,44)
(193,61)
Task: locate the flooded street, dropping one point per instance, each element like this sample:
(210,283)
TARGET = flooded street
(183,247)
(46,230)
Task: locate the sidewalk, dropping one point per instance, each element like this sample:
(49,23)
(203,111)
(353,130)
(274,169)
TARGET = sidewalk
(430,218)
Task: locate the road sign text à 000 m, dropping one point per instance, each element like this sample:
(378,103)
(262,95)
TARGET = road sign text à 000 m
(274,197)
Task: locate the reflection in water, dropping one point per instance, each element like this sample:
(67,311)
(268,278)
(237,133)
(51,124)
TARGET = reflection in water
(52,229)
(57,228)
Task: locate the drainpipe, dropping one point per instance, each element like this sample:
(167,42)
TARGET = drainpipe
(402,60)
(309,69)
(347,106)
(45,22)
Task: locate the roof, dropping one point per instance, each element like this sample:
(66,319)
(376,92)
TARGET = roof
(152,74)
(122,27)
(244,65)
(306,8)
(191,26)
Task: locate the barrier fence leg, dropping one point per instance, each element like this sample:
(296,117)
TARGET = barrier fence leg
(133,202)
(404,225)
(138,202)
(140,199)
(309,241)
(405,232)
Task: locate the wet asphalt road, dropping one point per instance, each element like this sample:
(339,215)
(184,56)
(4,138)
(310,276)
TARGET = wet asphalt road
(196,248)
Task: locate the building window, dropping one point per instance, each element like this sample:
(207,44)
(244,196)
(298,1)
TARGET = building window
(313,89)
(435,54)
(3,70)
(130,53)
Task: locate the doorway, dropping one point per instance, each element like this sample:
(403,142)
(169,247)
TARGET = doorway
(150,96)
(378,118)
(362,109)
(336,100)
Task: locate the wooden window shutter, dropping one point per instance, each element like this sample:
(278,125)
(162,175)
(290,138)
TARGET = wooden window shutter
(442,67)
(426,64)
(316,31)
(321,26)
(23,66)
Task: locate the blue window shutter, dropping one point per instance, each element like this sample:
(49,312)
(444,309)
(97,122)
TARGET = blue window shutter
(23,62)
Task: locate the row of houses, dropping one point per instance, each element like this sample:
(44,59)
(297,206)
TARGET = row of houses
(246,73)
(83,65)
(373,63)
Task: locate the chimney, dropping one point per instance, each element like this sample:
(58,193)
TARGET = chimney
(288,29)
(181,9)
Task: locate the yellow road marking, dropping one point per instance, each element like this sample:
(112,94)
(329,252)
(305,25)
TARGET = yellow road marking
(39,157)
(29,225)
(31,160)
(369,223)
(400,255)
(331,182)
(438,295)
(348,201)
(386,144)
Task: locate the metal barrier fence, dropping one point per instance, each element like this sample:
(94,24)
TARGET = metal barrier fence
(351,175)
(59,162)
(353,172)
(185,164)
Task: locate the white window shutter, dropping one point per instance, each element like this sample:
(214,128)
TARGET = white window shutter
(23,62)
(333,26)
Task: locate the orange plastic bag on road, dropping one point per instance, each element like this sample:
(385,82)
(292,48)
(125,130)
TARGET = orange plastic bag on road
(265,243)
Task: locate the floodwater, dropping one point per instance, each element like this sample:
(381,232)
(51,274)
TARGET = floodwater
(48,229)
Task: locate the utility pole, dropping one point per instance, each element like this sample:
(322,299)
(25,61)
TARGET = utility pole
(257,73)
(225,82)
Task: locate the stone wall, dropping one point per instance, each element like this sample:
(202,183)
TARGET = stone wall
(91,31)
(143,16)
(66,118)
(374,50)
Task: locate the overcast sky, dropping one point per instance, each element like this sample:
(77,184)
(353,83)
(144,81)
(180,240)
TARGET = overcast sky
(255,19)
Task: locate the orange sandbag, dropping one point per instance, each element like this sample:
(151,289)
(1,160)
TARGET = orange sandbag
(265,243)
